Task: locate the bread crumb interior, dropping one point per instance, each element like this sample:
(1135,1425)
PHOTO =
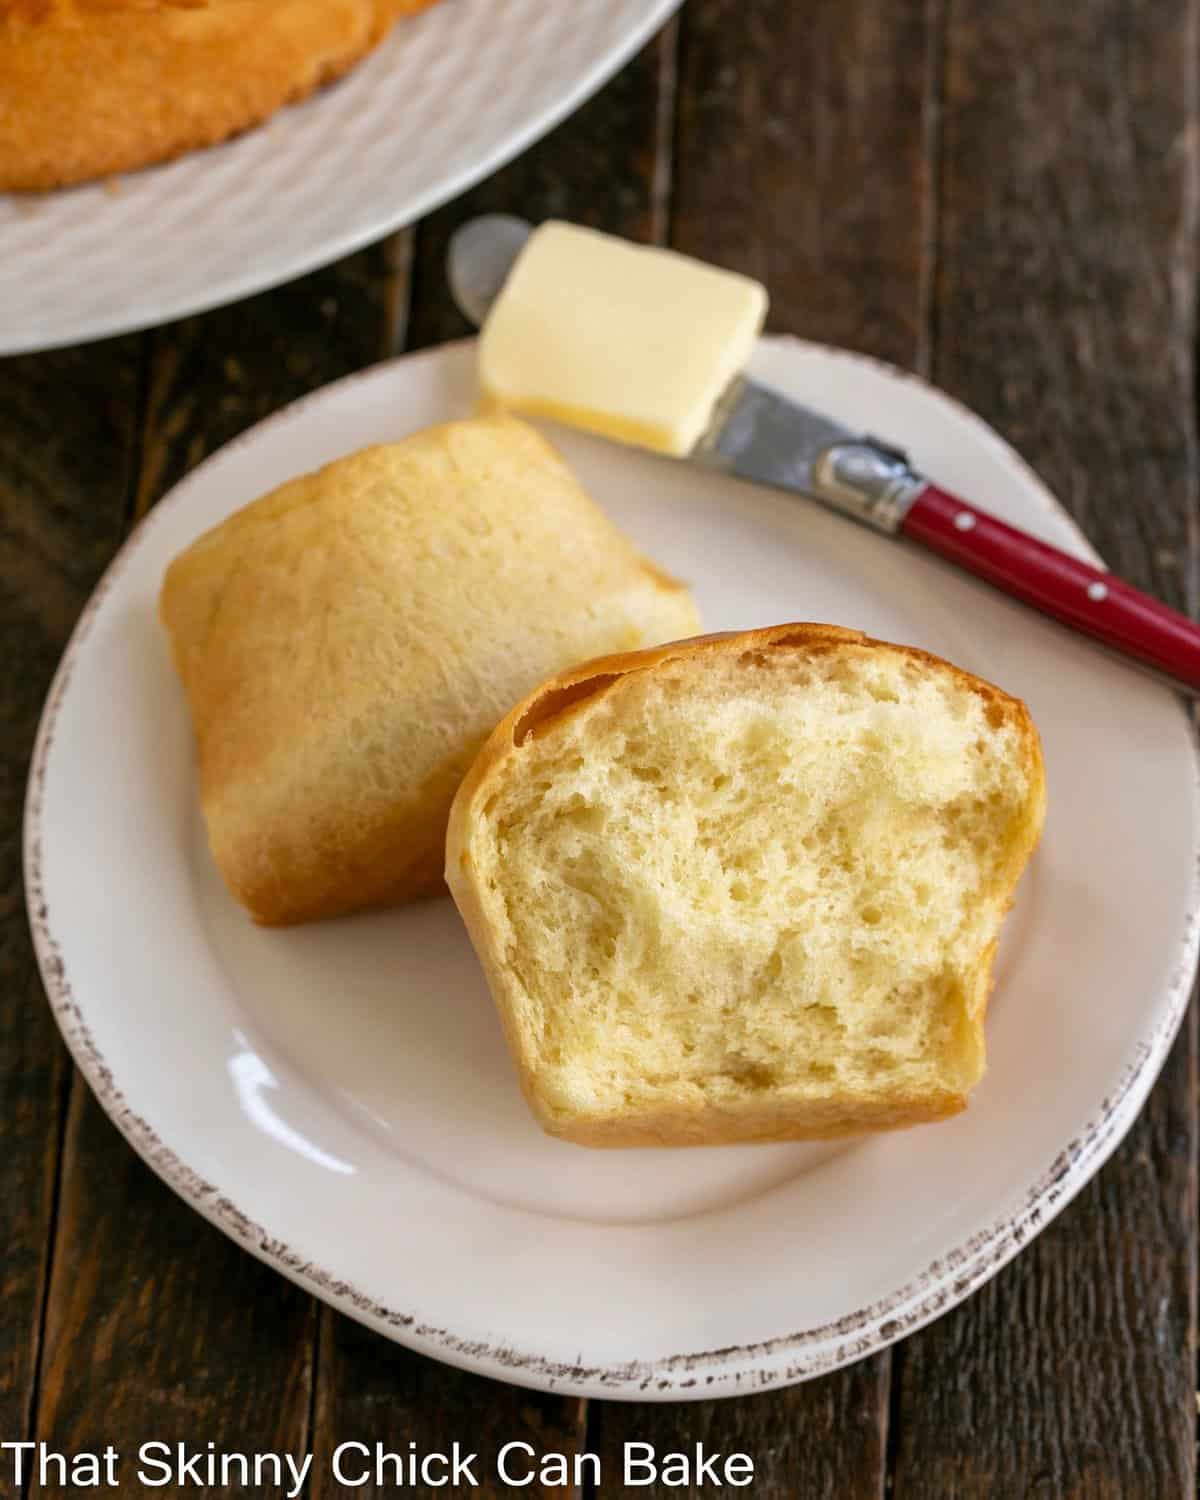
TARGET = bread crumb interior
(787,879)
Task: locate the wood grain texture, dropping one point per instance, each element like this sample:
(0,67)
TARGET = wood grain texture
(1067,261)
(67,430)
(158,1329)
(371,1391)
(1070,1376)
(825,1440)
(212,376)
(801,160)
(1064,313)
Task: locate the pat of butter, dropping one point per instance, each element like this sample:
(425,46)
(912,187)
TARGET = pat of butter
(635,343)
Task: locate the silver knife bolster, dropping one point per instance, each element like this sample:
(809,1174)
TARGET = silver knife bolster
(757,434)
(867,481)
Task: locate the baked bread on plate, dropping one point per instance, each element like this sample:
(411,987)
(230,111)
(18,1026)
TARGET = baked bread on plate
(747,887)
(93,87)
(347,642)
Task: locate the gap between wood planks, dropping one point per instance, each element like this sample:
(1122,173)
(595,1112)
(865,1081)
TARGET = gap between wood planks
(1065,300)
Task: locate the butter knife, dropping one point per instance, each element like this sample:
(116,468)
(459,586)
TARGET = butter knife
(758,435)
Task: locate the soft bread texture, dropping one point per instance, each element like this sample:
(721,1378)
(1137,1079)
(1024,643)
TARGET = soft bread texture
(747,888)
(347,642)
(93,87)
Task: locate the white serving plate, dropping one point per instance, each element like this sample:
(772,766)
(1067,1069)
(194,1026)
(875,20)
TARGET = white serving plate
(449,97)
(337,1098)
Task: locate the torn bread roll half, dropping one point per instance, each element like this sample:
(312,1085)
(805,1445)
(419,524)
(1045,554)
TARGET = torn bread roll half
(347,642)
(747,887)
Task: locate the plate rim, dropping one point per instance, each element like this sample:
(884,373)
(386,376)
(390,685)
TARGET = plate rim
(384,221)
(765,1364)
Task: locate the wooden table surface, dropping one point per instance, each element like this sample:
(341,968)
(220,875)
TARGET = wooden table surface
(1000,196)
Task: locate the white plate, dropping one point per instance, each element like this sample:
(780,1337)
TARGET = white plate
(450,96)
(337,1098)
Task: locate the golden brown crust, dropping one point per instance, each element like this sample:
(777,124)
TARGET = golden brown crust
(394,856)
(345,651)
(94,87)
(555,699)
(771,1125)
(553,704)
(58,12)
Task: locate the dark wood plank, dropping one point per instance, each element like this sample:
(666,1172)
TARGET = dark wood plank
(607,166)
(1064,314)
(1064,302)
(66,451)
(210,377)
(800,159)
(370,1391)
(1071,1374)
(825,1439)
(158,1327)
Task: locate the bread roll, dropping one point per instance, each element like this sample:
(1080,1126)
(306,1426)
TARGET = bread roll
(747,888)
(93,87)
(347,642)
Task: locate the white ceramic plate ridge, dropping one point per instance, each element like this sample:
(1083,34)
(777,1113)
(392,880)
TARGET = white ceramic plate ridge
(337,1098)
(449,97)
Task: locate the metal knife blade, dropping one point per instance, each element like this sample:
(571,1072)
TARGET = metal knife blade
(757,434)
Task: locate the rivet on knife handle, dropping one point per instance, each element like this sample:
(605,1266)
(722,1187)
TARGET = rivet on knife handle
(1073,592)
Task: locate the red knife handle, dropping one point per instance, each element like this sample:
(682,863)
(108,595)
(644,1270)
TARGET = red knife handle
(1089,600)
